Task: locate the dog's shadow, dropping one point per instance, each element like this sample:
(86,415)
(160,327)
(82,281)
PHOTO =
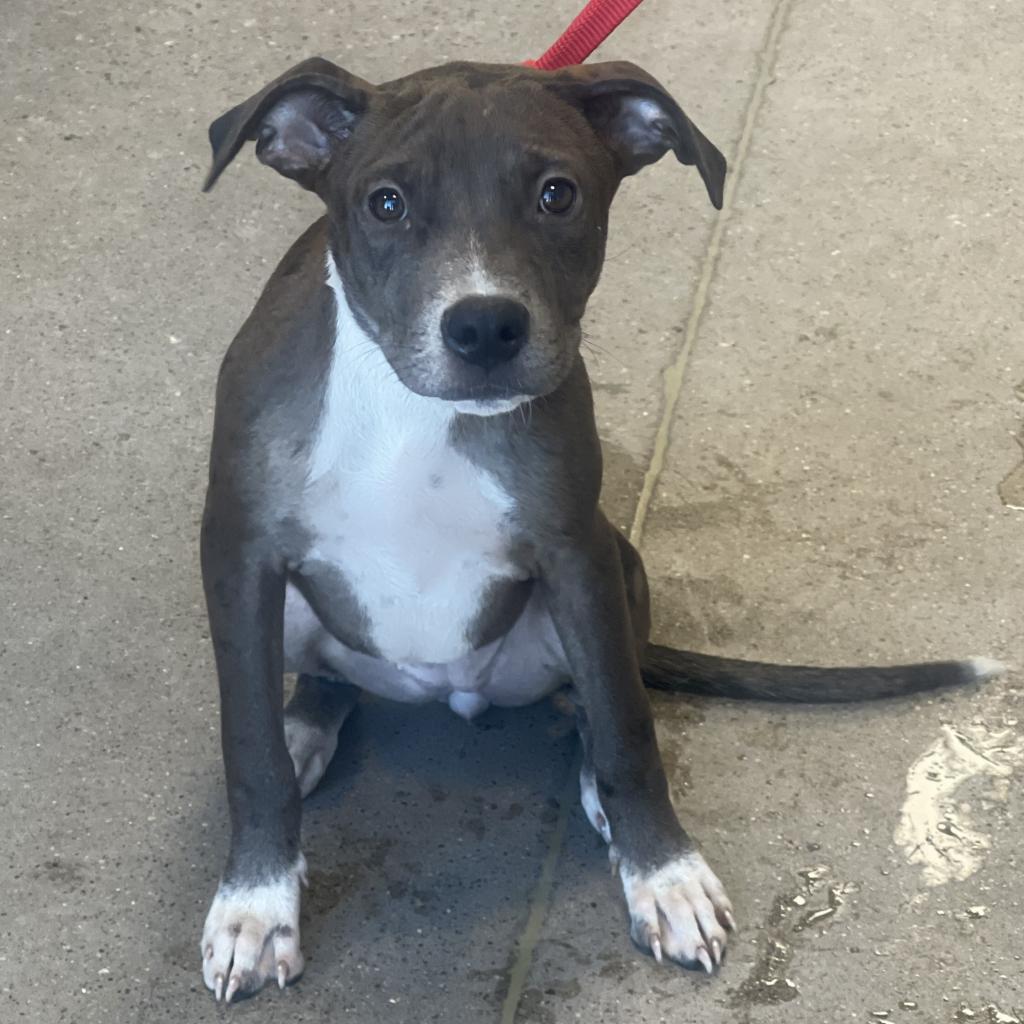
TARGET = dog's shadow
(424,841)
(429,829)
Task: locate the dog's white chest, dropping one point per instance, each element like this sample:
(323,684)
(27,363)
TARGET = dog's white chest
(418,531)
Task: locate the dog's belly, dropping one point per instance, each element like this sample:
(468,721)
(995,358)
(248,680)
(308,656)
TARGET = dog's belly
(524,665)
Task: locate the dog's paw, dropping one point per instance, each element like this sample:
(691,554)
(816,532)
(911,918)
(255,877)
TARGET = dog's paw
(679,911)
(251,936)
(311,749)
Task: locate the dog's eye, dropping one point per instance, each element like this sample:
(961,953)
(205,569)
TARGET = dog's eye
(387,204)
(557,195)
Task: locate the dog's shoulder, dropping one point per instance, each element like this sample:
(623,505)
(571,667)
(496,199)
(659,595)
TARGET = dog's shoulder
(288,333)
(271,381)
(295,309)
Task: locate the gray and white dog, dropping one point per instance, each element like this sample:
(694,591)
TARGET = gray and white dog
(404,480)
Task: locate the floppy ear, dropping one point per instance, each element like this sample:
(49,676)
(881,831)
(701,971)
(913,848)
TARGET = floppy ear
(638,120)
(297,120)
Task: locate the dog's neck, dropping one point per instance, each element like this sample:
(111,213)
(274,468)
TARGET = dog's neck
(364,400)
(364,393)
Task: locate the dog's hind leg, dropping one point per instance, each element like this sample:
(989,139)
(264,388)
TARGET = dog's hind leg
(312,720)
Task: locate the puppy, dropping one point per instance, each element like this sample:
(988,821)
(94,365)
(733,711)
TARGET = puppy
(405,473)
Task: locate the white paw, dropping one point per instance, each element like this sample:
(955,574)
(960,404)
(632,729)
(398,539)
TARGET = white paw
(251,936)
(311,748)
(679,911)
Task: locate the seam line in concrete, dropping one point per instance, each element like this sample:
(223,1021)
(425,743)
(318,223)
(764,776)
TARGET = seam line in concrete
(674,375)
(539,900)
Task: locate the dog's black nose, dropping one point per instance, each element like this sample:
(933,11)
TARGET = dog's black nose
(485,330)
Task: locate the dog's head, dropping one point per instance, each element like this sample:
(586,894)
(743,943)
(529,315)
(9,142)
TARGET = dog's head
(468,204)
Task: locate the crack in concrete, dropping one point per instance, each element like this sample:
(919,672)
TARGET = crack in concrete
(674,375)
(1011,489)
(540,900)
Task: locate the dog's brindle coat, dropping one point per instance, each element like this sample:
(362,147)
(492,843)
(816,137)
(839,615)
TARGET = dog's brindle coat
(409,507)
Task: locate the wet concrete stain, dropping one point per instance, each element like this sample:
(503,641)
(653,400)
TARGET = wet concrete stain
(1011,489)
(768,982)
(60,872)
(734,498)
(998,1016)
(500,980)
(741,510)
(423,901)
(328,887)
(990,1014)
(814,902)
(549,815)
(184,955)
(934,831)
(617,968)
(538,1005)
(397,889)
(825,333)
(476,828)
(697,611)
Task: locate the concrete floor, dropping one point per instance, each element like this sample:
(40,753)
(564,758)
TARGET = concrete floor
(809,407)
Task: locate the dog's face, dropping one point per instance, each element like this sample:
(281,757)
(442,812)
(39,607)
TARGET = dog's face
(468,205)
(470,227)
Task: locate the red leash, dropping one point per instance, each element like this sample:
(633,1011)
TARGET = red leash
(591,27)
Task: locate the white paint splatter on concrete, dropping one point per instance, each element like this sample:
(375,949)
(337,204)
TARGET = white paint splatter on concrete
(933,830)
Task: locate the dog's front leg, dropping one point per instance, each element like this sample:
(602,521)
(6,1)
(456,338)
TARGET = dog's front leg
(251,933)
(677,906)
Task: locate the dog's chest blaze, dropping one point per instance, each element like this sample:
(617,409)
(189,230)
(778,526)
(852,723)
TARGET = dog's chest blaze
(418,531)
(419,534)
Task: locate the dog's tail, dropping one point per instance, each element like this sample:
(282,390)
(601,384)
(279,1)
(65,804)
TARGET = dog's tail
(665,668)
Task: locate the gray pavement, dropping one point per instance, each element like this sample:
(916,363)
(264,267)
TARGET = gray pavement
(810,403)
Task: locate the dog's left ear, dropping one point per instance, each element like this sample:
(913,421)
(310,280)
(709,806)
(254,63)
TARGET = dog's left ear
(297,121)
(638,120)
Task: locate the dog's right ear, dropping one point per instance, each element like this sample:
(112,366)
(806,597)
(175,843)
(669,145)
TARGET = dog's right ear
(638,120)
(297,121)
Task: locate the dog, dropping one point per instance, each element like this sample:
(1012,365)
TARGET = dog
(405,474)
